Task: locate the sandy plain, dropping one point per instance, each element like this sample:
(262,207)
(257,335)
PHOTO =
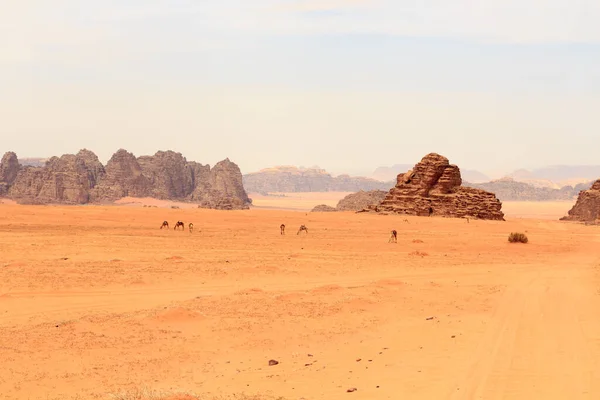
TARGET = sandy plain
(97,301)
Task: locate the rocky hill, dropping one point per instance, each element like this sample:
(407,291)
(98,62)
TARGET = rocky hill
(507,189)
(354,201)
(587,207)
(9,168)
(433,188)
(81,179)
(289,179)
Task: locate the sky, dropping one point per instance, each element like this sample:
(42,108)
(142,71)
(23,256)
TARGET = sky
(494,85)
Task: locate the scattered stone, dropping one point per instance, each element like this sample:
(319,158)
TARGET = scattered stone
(351,390)
(429,318)
(273,362)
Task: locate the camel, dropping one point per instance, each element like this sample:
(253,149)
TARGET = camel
(179,224)
(302,228)
(165,223)
(393,237)
(191,226)
(282,228)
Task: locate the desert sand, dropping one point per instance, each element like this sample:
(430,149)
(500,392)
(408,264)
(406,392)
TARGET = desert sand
(97,301)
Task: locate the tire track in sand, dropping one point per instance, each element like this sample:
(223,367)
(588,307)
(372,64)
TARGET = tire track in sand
(535,346)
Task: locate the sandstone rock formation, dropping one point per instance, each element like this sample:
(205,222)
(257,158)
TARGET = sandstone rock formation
(66,180)
(81,178)
(361,200)
(9,168)
(323,208)
(222,188)
(123,177)
(433,187)
(289,179)
(587,207)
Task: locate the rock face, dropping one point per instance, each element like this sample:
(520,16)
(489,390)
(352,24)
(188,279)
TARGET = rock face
(81,178)
(361,200)
(221,187)
(123,177)
(66,180)
(9,168)
(290,179)
(587,207)
(433,188)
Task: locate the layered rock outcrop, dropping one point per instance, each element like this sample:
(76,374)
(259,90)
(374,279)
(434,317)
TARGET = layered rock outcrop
(123,177)
(67,179)
(587,207)
(9,168)
(433,188)
(81,178)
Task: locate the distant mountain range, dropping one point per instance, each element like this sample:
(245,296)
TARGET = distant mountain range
(557,176)
(289,179)
(508,189)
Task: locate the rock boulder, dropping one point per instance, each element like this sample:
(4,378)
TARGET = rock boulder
(433,188)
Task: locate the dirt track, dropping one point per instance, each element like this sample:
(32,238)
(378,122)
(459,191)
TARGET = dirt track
(94,300)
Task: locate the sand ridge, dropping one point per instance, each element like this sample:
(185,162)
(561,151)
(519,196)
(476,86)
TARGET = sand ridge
(98,299)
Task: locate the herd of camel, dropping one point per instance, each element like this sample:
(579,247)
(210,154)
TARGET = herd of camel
(179,224)
(303,228)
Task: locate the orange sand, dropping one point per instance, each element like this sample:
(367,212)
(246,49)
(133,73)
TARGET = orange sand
(97,300)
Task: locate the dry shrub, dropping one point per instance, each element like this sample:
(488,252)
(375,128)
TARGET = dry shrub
(517,237)
(417,241)
(418,253)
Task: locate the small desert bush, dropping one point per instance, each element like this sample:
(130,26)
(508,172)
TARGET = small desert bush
(516,237)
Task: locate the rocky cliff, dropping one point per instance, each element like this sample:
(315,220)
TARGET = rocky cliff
(289,179)
(67,179)
(9,168)
(433,188)
(81,178)
(587,207)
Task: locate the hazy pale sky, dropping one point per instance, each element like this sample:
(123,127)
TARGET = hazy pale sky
(493,85)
